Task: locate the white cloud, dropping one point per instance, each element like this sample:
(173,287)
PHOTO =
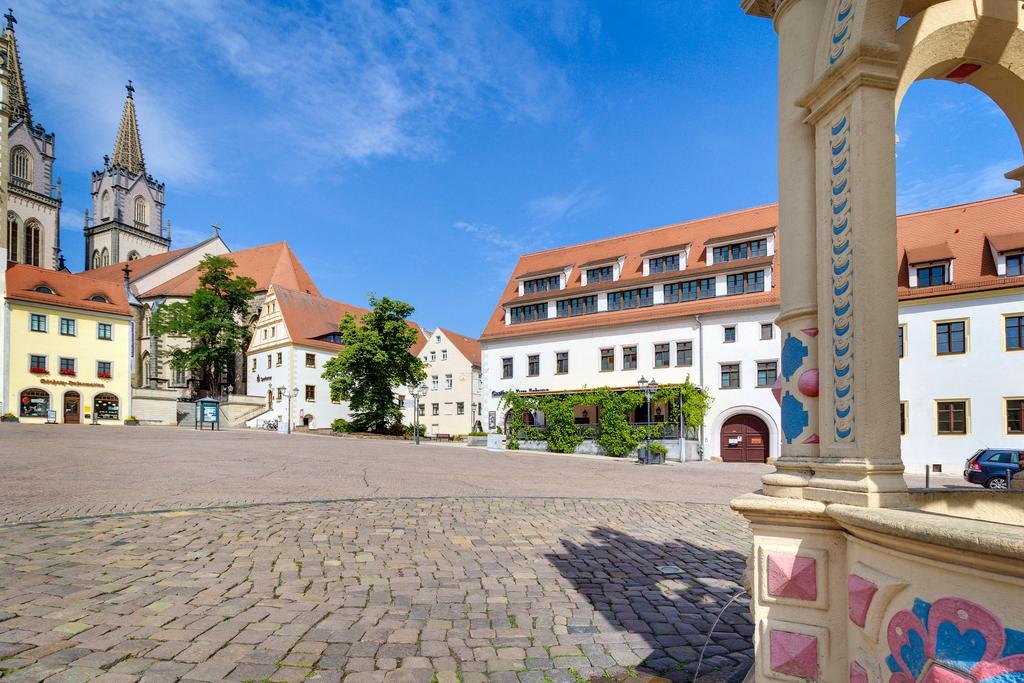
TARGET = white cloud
(554,208)
(958,185)
(328,82)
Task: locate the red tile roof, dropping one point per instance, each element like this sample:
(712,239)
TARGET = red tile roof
(966,229)
(467,346)
(960,232)
(311,316)
(270,264)
(634,246)
(69,291)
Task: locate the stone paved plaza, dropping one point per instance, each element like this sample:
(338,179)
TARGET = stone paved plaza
(163,554)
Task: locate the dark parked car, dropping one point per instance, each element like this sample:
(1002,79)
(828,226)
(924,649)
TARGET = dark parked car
(993,467)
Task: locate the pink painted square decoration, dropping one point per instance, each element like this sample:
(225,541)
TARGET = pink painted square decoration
(792,576)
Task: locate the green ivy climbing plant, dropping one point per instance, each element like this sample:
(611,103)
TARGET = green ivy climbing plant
(618,437)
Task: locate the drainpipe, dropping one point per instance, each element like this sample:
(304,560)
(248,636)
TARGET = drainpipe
(700,377)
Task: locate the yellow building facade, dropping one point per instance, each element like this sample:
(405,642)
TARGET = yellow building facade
(69,357)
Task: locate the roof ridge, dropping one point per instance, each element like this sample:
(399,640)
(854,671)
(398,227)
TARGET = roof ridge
(943,209)
(677,224)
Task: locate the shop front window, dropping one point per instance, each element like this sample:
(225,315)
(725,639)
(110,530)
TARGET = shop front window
(34,403)
(107,407)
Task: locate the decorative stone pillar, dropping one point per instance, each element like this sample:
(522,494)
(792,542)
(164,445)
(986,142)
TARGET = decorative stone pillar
(852,107)
(797,23)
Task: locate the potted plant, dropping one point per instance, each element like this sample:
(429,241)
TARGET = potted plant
(103,375)
(39,371)
(132,422)
(67,371)
(9,417)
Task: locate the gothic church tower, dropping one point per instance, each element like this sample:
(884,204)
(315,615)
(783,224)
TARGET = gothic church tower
(127,202)
(33,201)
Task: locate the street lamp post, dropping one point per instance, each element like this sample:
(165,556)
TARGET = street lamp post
(649,388)
(289,395)
(417,392)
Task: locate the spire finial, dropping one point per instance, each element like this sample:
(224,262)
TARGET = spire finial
(11,21)
(130,88)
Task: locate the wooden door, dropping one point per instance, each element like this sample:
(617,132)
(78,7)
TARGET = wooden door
(72,408)
(744,439)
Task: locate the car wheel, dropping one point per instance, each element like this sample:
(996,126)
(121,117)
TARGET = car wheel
(996,483)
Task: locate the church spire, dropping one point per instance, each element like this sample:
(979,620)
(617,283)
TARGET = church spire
(18,97)
(128,146)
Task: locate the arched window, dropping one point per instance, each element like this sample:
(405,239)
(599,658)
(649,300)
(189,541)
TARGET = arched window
(96,262)
(141,211)
(21,164)
(34,403)
(133,255)
(105,257)
(107,407)
(99,298)
(33,244)
(12,237)
(43,289)
(105,205)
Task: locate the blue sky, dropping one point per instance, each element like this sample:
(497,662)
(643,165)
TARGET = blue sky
(415,149)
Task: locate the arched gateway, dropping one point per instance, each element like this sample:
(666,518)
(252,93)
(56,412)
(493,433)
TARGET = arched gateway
(744,438)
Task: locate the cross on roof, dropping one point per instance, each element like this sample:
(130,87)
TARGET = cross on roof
(130,88)
(216,229)
(11,21)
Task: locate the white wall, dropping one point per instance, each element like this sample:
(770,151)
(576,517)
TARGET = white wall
(465,388)
(985,375)
(293,373)
(585,365)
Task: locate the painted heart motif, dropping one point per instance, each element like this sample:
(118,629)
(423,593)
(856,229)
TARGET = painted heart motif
(962,651)
(913,654)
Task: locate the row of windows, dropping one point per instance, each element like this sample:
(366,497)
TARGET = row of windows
(40,365)
(32,248)
(951,336)
(953,416)
(938,274)
(743,250)
(141,209)
(435,409)
(39,322)
(767,373)
(36,403)
(448,382)
(542,284)
(663,357)
(433,356)
(689,290)
(278,358)
(664,264)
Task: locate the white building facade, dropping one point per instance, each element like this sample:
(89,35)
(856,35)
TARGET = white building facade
(961,336)
(451,404)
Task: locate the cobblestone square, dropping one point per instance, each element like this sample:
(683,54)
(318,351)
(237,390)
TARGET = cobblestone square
(559,571)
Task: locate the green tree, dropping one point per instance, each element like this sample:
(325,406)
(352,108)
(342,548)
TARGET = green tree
(375,360)
(212,319)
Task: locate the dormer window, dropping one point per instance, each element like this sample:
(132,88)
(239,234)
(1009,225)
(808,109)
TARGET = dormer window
(542,284)
(664,264)
(43,289)
(932,275)
(334,338)
(740,251)
(1015,265)
(99,298)
(601,274)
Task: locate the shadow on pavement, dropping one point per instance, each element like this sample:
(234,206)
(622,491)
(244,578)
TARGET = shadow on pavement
(667,615)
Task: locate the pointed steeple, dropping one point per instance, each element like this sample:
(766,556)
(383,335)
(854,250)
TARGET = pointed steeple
(18,96)
(128,146)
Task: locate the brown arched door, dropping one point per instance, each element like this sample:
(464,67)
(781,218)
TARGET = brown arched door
(72,408)
(744,439)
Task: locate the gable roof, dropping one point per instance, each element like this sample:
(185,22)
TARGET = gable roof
(634,247)
(269,264)
(70,291)
(467,346)
(309,317)
(964,232)
(141,266)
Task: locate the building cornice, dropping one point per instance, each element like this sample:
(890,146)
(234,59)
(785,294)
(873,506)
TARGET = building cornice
(138,232)
(26,193)
(866,65)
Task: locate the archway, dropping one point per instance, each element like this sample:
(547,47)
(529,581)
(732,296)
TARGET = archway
(72,407)
(745,434)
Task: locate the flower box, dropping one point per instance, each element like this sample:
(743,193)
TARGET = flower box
(103,375)
(39,371)
(69,373)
